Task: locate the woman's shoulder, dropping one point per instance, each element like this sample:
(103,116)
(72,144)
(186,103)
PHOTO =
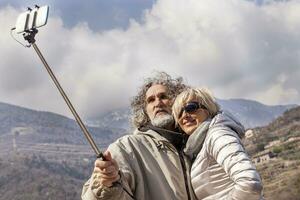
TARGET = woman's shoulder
(219,137)
(220,133)
(224,122)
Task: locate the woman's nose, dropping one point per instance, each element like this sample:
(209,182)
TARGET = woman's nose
(185,115)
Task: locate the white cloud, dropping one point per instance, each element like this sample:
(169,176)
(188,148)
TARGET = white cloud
(277,93)
(234,47)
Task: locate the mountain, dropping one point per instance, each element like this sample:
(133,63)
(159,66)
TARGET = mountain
(119,118)
(276,150)
(28,130)
(44,155)
(250,113)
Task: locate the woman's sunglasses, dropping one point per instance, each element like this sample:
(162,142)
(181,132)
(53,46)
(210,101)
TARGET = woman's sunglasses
(191,107)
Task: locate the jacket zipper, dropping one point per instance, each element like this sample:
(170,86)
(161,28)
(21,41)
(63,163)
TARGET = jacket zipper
(184,174)
(182,162)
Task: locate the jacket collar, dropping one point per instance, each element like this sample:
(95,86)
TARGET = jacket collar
(226,119)
(196,139)
(177,139)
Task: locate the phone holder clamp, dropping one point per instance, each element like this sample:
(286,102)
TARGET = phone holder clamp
(29,35)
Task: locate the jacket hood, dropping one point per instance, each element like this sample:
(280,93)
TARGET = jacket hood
(226,119)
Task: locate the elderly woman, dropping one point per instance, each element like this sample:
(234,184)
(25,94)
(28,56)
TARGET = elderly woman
(221,168)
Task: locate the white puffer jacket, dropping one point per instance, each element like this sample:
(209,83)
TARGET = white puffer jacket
(221,168)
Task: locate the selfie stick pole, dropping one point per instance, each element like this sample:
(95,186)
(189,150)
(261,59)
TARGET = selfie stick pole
(29,36)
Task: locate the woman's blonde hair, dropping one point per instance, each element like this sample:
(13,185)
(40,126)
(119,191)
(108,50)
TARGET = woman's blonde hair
(200,95)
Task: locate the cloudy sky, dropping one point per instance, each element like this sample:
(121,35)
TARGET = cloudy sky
(101,50)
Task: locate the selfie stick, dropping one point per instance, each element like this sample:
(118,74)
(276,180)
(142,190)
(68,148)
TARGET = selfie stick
(29,36)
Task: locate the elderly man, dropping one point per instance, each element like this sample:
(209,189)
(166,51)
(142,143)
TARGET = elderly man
(149,164)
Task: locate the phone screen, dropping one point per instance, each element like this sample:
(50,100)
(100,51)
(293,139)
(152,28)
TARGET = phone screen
(42,16)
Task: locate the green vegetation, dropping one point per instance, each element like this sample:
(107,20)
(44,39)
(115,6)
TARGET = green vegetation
(260,147)
(277,149)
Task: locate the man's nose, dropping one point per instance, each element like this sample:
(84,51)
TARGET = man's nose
(158,102)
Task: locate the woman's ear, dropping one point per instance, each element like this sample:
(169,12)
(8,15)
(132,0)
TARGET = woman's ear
(207,114)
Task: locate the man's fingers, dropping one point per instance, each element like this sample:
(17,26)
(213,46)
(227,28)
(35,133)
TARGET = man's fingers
(103,164)
(109,175)
(97,170)
(109,169)
(107,155)
(115,163)
(106,180)
(106,171)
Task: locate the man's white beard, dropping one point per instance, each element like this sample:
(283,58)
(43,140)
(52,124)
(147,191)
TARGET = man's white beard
(163,121)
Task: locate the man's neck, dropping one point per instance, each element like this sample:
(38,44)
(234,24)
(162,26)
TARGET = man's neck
(172,135)
(170,127)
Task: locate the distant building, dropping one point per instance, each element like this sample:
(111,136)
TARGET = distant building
(263,157)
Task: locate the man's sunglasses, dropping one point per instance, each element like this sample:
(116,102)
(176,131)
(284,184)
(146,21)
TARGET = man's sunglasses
(191,107)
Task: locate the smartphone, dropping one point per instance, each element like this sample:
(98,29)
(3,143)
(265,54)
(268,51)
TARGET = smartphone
(35,18)
(41,16)
(22,21)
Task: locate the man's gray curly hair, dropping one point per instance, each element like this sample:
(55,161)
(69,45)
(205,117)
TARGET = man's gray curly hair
(138,102)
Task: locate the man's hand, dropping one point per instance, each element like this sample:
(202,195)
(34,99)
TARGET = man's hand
(106,172)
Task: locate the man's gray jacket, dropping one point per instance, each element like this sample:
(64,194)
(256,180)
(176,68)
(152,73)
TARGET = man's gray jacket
(150,167)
